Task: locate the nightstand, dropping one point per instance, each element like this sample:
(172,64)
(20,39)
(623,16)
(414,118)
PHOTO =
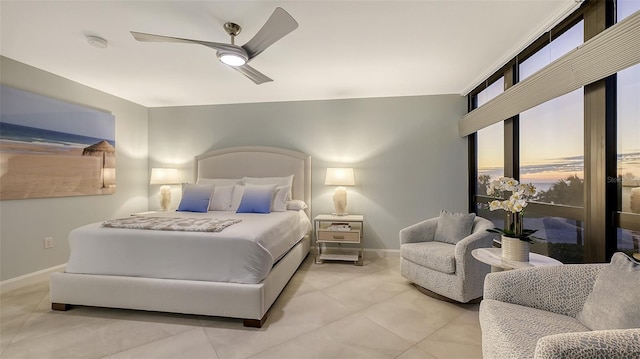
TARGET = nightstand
(332,231)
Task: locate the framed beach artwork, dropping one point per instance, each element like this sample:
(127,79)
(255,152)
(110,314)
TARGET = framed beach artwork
(51,148)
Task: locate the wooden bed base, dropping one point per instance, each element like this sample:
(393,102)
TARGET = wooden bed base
(60,307)
(254,323)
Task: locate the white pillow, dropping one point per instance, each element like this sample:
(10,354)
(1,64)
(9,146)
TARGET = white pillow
(221,198)
(219,181)
(236,196)
(278,181)
(296,205)
(279,201)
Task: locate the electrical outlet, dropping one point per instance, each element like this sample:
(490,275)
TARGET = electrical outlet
(48,242)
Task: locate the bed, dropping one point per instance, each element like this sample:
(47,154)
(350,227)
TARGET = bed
(193,282)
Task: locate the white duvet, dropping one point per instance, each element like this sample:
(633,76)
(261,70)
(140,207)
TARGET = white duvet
(241,253)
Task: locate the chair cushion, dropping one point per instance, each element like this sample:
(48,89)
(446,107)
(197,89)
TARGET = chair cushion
(452,227)
(602,310)
(512,331)
(434,255)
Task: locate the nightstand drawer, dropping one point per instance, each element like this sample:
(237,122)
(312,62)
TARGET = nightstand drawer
(339,236)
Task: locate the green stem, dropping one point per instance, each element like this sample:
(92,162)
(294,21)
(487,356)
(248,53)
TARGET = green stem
(515,223)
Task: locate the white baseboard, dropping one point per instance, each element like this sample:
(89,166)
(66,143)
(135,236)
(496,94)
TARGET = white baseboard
(27,279)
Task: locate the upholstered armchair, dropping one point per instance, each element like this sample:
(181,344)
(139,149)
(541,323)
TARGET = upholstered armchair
(445,266)
(572,311)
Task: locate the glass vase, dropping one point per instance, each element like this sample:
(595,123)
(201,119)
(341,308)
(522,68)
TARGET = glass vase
(515,222)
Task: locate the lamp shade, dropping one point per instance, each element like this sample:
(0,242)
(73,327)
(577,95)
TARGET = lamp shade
(339,177)
(164,176)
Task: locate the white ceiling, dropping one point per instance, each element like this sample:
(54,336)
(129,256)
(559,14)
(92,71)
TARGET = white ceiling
(341,49)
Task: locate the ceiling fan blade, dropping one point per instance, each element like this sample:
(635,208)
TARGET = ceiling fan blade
(140,36)
(253,74)
(277,26)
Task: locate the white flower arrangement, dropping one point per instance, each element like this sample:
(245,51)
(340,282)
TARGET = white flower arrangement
(517,201)
(514,205)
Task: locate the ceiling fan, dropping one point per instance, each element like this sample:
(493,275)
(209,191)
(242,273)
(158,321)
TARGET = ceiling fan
(279,24)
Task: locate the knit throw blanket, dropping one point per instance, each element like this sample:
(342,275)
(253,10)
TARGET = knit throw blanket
(171,224)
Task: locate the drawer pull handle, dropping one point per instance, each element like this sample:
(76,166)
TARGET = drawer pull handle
(338,237)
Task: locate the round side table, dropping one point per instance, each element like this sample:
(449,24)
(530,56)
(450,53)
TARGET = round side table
(493,257)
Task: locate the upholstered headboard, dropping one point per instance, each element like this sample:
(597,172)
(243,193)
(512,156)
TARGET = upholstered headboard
(238,162)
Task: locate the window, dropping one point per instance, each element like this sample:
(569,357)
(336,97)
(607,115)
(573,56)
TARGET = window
(628,124)
(564,43)
(490,143)
(552,156)
(552,149)
(545,145)
(626,8)
(490,92)
(490,155)
(628,144)
(551,135)
(562,237)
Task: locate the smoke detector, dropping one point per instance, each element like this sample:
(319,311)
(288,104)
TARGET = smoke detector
(97,41)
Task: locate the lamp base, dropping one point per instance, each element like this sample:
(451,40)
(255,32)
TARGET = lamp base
(340,201)
(165,198)
(340,214)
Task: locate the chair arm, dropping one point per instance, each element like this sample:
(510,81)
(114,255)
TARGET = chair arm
(479,238)
(560,289)
(610,344)
(420,232)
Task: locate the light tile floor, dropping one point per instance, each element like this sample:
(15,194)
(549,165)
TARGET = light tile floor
(331,310)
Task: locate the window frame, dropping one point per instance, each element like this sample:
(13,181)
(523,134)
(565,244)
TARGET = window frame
(600,214)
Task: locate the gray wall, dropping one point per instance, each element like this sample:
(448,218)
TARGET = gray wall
(25,223)
(408,159)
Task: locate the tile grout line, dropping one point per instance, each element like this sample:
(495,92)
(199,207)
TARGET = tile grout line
(328,323)
(19,330)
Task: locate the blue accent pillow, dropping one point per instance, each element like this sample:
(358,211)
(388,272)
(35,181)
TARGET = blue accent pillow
(195,198)
(256,198)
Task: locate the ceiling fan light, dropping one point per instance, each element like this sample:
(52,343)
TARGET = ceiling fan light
(232,59)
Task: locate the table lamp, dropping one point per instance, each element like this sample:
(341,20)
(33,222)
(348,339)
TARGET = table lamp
(108,177)
(164,177)
(340,177)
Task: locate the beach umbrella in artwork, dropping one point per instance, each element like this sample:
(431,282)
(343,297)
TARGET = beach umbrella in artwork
(102,147)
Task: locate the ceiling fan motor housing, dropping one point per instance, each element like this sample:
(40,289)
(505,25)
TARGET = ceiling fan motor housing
(233,57)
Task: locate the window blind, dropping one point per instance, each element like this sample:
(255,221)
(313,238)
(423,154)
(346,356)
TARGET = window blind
(613,50)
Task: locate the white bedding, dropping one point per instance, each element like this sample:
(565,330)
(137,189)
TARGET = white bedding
(241,253)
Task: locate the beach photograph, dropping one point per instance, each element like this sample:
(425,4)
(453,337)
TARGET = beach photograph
(51,148)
